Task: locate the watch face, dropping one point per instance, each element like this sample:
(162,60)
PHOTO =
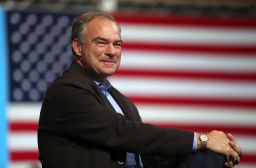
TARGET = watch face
(204,138)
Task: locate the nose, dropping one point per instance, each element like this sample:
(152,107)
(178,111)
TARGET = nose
(110,49)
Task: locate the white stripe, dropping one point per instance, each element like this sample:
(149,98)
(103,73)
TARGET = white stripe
(23,141)
(168,113)
(187,61)
(25,164)
(247,143)
(243,165)
(160,113)
(139,86)
(197,115)
(24,111)
(163,113)
(186,34)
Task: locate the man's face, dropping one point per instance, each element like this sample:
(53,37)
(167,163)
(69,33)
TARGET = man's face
(100,51)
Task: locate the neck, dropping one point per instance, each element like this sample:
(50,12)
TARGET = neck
(92,74)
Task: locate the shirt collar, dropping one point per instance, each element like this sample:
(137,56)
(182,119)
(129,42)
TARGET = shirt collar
(104,87)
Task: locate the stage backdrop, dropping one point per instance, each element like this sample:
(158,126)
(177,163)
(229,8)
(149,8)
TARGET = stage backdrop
(196,73)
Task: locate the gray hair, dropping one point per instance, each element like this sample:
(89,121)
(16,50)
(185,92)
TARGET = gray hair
(79,25)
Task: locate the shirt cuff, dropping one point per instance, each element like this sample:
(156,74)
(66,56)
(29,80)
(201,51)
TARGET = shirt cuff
(194,147)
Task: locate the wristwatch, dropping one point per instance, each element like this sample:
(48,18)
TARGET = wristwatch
(203,139)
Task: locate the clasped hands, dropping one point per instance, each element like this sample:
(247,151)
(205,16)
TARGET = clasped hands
(226,144)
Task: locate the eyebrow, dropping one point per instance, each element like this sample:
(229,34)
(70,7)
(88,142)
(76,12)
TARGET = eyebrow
(101,38)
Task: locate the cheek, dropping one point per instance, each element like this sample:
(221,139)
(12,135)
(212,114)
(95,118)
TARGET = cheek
(95,54)
(94,51)
(99,51)
(119,56)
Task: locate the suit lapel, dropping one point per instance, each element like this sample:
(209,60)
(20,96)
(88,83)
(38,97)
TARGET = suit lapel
(102,97)
(119,98)
(76,70)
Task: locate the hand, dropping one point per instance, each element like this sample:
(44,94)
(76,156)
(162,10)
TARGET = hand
(225,144)
(219,142)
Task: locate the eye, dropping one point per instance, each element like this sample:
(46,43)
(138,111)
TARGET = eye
(118,45)
(101,43)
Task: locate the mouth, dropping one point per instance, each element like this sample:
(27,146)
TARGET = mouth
(109,63)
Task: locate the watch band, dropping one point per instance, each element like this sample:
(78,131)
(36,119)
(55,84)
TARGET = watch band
(203,140)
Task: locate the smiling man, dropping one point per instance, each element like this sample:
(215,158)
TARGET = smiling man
(99,49)
(86,123)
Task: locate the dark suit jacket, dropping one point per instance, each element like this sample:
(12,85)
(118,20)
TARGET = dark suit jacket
(78,127)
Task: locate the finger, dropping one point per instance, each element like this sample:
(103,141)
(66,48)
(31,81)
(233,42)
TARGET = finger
(235,159)
(234,156)
(233,145)
(228,158)
(230,137)
(228,164)
(236,148)
(232,153)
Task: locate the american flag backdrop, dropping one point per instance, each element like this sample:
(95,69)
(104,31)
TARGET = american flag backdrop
(196,73)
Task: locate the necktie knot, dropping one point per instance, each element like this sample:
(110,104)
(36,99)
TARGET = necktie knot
(105,87)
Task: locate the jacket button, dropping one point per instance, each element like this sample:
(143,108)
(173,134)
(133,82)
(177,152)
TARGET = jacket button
(119,162)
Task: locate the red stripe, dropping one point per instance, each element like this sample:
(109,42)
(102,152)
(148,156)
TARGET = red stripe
(23,126)
(248,158)
(237,76)
(245,130)
(33,155)
(229,102)
(202,48)
(250,130)
(23,155)
(185,20)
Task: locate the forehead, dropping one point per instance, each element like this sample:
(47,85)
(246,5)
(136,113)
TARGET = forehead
(102,27)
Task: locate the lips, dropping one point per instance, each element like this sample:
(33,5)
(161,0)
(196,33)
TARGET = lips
(108,61)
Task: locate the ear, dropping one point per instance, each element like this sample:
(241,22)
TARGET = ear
(76,46)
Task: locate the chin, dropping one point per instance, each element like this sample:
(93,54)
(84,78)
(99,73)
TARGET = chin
(109,71)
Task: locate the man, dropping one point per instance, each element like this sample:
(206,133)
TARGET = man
(86,122)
